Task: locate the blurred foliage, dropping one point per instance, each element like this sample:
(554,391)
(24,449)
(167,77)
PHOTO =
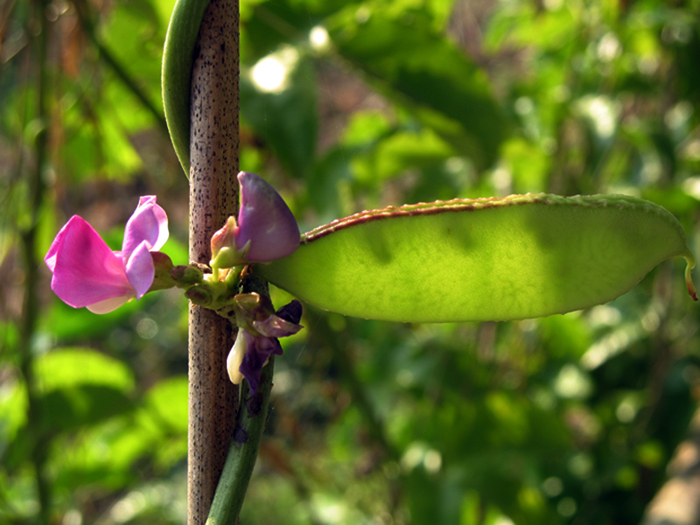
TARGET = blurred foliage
(348,105)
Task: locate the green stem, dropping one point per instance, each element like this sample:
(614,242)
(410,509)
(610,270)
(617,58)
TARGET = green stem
(30,306)
(243,452)
(116,66)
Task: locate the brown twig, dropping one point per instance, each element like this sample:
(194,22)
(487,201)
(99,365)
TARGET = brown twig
(213,197)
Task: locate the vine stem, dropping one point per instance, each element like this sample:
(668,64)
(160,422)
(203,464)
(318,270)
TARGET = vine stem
(213,399)
(243,451)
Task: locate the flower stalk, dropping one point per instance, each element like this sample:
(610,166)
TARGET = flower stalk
(243,451)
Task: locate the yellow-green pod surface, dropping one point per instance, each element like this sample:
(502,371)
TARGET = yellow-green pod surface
(176,73)
(487,259)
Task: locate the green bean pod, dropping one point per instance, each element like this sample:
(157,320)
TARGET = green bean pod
(176,74)
(517,257)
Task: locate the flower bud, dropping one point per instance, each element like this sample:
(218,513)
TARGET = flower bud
(265,221)
(265,230)
(223,242)
(259,328)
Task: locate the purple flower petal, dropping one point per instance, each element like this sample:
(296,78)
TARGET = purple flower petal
(275,326)
(291,312)
(259,351)
(265,221)
(50,258)
(85,270)
(139,269)
(148,223)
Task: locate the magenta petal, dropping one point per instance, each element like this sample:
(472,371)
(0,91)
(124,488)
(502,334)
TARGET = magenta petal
(85,270)
(265,221)
(50,258)
(139,269)
(148,223)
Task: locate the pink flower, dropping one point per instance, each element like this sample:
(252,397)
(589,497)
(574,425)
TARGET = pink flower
(87,273)
(266,228)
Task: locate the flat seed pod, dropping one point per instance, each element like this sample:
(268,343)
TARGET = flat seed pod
(176,73)
(487,259)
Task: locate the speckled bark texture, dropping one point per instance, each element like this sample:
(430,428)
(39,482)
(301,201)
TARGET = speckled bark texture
(213,197)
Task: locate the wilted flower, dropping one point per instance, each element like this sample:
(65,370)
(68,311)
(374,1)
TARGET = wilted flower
(87,273)
(259,328)
(266,229)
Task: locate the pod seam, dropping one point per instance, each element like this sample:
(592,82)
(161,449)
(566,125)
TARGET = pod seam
(454,205)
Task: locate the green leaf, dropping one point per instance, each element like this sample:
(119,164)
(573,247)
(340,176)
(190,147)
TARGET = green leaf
(81,386)
(70,408)
(487,259)
(70,367)
(425,72)
(66,323)
(269,25)
(13,411)
(78,387)
(167,403)
(135,34)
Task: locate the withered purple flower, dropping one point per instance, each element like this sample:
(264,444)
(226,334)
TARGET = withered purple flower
(258,333)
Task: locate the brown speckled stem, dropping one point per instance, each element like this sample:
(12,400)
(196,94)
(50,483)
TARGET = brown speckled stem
(213,197)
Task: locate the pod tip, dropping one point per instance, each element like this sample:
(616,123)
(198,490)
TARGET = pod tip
(689,277)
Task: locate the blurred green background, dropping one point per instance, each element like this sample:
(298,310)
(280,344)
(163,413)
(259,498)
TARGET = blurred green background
(346,106)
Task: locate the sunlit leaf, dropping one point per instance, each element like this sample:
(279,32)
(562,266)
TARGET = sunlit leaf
(80,386)
(135,33)
(167,403)
(399,152)
(70,367)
